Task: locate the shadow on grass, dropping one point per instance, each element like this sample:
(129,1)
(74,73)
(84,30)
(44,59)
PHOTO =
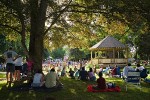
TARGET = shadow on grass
(77,90)
(12,92)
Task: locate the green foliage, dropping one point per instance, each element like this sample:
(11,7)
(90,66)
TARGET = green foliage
(78,23)
(144,46)
(2,43)
(46,54)
(58,53)
(77,54)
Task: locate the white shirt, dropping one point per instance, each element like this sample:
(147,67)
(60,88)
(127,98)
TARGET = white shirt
(140,68)
(60,68)
(37,78)
(126,69)
(18,61)
(51,79)
(10,55)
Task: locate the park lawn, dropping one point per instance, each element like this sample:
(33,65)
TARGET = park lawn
(77,90)
(2,76)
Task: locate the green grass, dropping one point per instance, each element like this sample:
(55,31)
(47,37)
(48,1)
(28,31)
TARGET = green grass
(77,90)
(2,75)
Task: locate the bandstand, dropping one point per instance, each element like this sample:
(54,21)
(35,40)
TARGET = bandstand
(109,51)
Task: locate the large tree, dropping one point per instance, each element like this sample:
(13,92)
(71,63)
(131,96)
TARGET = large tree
(30,17)
(40,18)
(60,22)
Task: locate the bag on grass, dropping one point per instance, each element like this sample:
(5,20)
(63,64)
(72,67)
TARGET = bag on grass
(111,85)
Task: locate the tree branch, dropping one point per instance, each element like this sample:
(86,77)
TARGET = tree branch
(10,27)
(56,18)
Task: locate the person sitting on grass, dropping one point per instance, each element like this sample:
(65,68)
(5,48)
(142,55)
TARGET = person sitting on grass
(52,80)
(75,68)
(76,74)
(91,75)
(143,71)
(107,71)
(114,71)
(126,69)
(83,75)
(101,68)
(139,68)
(71,73)
(63,72)
(38,79)
(101,82)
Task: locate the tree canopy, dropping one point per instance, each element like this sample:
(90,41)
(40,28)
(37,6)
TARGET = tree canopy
(76,23)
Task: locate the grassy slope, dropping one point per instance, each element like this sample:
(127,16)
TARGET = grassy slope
(76,90)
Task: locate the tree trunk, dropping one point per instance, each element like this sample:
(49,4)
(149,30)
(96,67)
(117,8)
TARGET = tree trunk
(38,17)
(36,50)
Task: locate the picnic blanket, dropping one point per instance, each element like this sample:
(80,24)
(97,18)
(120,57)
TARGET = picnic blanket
(115,89)
(26,87)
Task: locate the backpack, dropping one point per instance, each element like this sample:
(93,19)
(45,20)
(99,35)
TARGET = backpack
(144,73)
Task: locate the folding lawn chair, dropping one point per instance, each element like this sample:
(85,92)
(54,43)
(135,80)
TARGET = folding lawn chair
(133,78)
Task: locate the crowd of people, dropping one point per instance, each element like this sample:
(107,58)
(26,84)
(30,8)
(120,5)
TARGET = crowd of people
(89,74)
(15,66)
(51,79)
(143,71)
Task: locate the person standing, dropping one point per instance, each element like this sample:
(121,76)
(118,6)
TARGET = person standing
(18,67)
(10,56)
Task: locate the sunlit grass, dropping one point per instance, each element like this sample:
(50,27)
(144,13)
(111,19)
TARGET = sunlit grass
(2,75)
(77,90)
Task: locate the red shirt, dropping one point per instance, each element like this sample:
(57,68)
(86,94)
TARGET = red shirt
(114,71)
(29,64)
(101,83)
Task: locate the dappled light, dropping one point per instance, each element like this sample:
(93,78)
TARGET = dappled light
(38,37)
(73,91)
(77,89)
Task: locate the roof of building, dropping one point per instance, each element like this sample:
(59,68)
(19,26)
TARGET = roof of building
(108,43)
